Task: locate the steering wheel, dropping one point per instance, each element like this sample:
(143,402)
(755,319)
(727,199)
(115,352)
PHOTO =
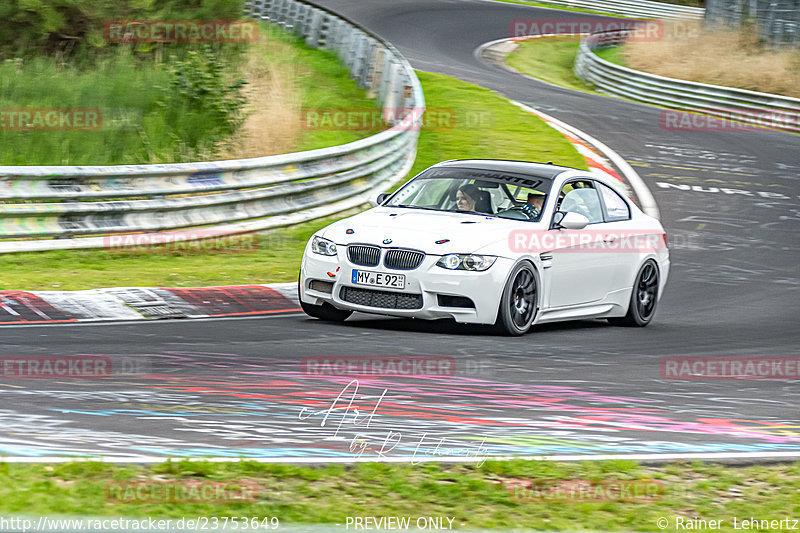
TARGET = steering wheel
(522,211)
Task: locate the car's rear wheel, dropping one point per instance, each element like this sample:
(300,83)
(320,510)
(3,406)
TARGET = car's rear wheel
(644,298)
(325,311)
(520,302)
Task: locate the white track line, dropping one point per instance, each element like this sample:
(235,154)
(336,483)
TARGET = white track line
(649,457)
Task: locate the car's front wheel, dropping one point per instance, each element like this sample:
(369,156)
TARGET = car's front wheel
(644,298)
(519,303)
(325,311)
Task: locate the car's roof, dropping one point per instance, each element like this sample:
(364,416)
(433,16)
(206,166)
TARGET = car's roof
(540,170)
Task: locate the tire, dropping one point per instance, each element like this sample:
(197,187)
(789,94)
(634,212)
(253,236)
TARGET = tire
(325,312)
(519,302)
(644,298)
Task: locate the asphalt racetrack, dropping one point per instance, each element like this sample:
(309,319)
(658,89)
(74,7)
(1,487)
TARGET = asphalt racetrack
(254,387)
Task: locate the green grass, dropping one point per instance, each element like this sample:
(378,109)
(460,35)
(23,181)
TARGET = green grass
(550,59)
(476,497)
(133,127)
(612,55)
(486,126)
(324,82)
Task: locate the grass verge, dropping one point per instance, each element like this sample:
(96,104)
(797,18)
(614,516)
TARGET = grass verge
(474,497)
(550,59)
(612,55)
(486,126)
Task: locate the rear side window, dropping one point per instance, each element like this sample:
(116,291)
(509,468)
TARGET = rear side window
(615,207)
(581,197)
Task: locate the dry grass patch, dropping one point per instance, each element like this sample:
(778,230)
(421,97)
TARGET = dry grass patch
(274,102)
(731,58)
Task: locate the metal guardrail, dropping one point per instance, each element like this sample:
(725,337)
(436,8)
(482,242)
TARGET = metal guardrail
(635,8)
(735,105)
(58,207)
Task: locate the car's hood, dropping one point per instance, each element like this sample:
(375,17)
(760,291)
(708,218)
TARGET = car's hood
(421,229)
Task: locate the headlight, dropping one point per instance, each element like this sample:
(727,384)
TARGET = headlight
(472,262)
(322,246)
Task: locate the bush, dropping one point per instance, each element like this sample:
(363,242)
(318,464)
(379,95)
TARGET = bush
(35,27)
(199,90)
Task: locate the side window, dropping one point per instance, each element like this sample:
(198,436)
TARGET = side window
(580,197)
(615,207)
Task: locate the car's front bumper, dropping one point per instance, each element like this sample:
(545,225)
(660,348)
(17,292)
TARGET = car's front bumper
(429,281)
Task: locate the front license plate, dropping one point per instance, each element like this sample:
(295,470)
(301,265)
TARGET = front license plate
(379,279)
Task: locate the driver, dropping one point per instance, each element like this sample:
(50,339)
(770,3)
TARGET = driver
(534,205)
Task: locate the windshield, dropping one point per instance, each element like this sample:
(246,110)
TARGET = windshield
(482,192)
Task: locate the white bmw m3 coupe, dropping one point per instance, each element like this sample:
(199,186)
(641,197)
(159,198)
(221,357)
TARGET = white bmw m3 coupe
(508,243)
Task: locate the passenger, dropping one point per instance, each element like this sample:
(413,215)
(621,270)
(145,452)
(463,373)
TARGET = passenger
(466,196)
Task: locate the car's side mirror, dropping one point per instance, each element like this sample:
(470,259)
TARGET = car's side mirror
(570,220)
(382,197)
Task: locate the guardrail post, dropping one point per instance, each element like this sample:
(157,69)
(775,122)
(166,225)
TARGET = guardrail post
(360,60)
(270,10)
(283,14)
(376,72)
(312,36)
(324,31)
(386,79)
(343,43)
(291,16)
(303,18)
(334,35)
